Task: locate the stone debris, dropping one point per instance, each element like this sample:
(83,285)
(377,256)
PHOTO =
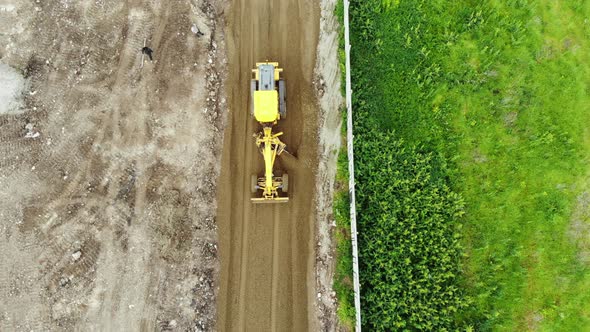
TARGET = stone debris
(31,131)
(76,255)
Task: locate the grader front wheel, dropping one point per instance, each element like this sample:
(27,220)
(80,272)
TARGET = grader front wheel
(285,183)
(253,183)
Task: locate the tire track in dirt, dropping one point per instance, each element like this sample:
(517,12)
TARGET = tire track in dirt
(267,250)
(275,268)
(246,211)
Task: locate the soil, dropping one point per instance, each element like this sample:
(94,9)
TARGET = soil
(328,78)
(268,250)
(108,173)
(111,164)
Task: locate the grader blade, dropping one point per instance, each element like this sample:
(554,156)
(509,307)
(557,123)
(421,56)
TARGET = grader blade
(261,200)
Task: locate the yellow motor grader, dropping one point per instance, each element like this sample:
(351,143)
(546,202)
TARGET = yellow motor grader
(268,107)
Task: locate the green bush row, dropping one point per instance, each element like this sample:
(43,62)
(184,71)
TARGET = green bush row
(409,244)
(408,217)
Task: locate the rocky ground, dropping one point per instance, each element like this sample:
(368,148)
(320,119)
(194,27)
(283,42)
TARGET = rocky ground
(327,81)
(108,164)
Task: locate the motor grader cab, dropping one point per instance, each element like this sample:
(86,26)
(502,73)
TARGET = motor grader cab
(268,107)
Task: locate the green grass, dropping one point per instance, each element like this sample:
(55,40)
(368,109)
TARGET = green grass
(343,285)
(343,277)
(499,91)
(522,148)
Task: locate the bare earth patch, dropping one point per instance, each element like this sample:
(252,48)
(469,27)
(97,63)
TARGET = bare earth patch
(328,77)
(108,174)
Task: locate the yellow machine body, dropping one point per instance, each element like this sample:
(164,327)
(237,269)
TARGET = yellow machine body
(268,102)
(266,106)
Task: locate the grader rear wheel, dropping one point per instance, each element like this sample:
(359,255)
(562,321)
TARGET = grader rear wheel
(285,183)
(253,87)
(282,99)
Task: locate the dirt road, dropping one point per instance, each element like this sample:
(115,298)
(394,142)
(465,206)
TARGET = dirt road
(267,251)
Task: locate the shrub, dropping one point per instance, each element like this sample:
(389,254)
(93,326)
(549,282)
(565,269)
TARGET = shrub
(410,251)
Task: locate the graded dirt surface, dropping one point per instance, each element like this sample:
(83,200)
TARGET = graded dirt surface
(267,250)
(107,173)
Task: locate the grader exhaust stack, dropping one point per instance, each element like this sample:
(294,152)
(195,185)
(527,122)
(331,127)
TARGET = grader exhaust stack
(268,107)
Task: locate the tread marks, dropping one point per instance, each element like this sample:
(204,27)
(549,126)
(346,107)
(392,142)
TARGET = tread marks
(260,30)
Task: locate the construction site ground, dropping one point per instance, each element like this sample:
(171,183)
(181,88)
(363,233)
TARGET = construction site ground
(108,169)
(125,184)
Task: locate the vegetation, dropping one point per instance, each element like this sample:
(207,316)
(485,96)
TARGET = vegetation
(409,249)
(343,278)
(407,214)
(343,275)
(488,100)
